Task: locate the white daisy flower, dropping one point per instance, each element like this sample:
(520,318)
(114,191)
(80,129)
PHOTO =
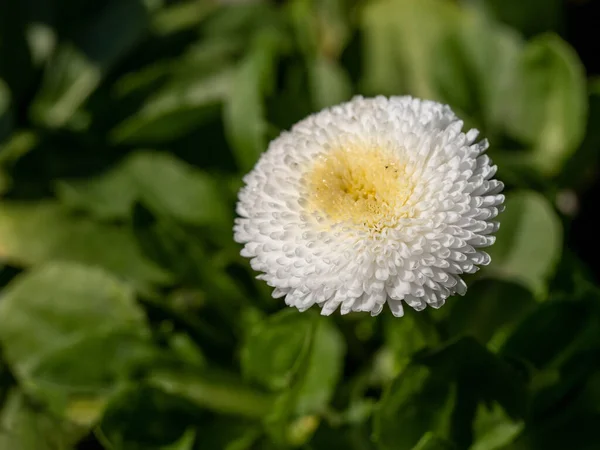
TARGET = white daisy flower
(370,202)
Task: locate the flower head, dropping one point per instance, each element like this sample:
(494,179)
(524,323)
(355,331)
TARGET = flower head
(370,202)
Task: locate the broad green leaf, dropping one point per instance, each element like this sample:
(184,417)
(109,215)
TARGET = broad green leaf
(489,309)
(407,336)
(273,351)
(324,364)
(89,334)
(315,371)
(417,402)
(219,392)
(244,111)
(580,170)
(166,184)
(75,71)
(473,69)
(555,331)
(530,17)
(401,38)
(24,426)
(32,233)
(146,418)
(548,104)
(493,429)
(529,241)
(488,377)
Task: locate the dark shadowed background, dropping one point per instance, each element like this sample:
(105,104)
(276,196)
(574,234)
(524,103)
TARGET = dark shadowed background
(128,319)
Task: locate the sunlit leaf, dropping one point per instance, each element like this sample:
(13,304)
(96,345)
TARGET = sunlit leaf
(32,233)
(274,348)
(402,37)
(168,185)
(244,112)
(26,426)
(548,104)
(89,335)
(529,241)
(493,429)
(407,336)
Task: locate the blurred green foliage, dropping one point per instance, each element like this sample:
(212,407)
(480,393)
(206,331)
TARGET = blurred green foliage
(128,320)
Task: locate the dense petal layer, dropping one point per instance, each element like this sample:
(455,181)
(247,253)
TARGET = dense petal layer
(370,202)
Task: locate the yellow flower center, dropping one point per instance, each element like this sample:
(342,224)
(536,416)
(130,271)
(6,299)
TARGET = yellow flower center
(364,186)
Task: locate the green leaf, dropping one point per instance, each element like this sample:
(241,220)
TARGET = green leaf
(185,443)
(580,170)
(329,82)
(473,68)
(316,385)
(176,109)
(493,429)
(555,331)
(407,336)
(432,442)
(489,309)
(531,17)
(179,17)
(401,38)
(75,71)
(488,376)
(5,112)
(418,401)
(181,251)
(529,242)
(89,335)
(220,392)
(309,367)
(166,184)
(273,351)
(24,426)
(32,233)
(244,112)
(548,104)
(146,418)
